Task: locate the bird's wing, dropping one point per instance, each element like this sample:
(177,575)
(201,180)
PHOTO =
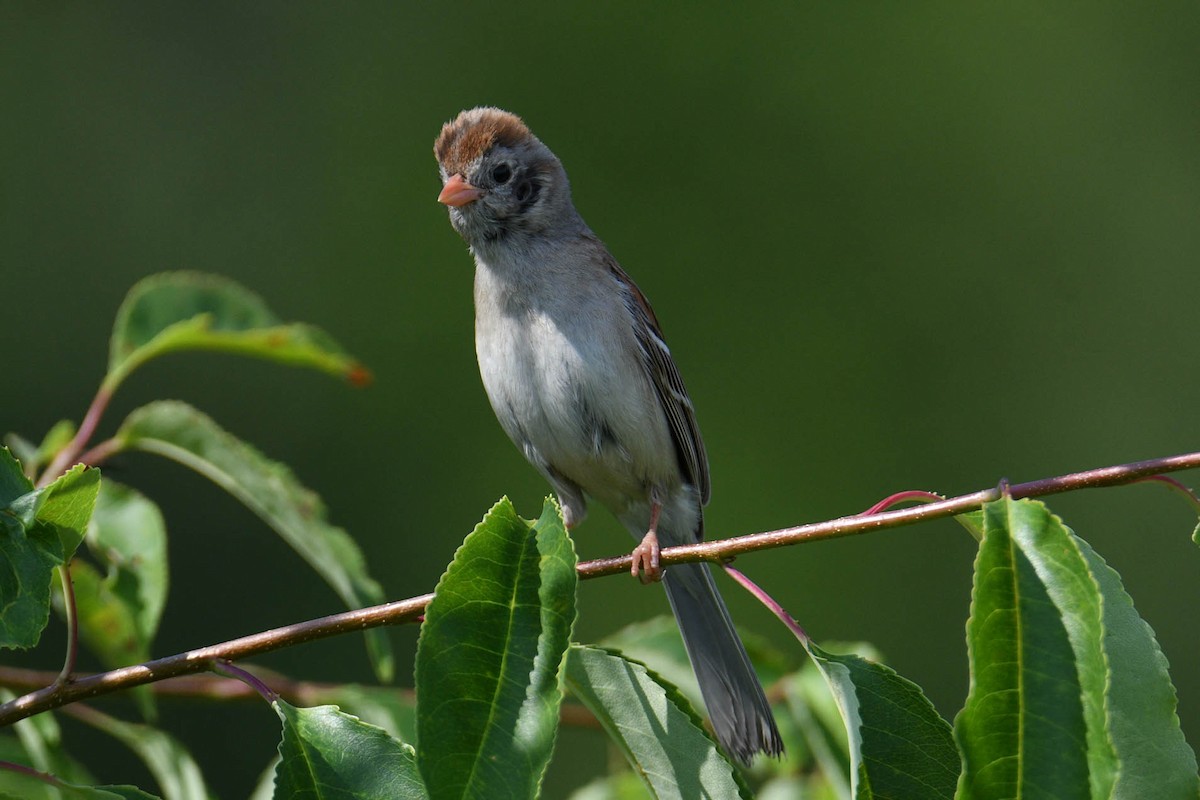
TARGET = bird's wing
(664,375)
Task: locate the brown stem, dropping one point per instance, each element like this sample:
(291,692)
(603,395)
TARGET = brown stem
(725,549)
(409,610)
(202,659)
(208,687)
(216,687)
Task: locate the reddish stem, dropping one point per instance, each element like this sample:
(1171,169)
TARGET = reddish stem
(227,668)
(914,495)
(68,455)
(771,603)
(100,453)
(30,771)
(1176,485)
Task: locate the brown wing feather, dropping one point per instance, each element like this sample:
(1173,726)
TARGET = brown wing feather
(668,383)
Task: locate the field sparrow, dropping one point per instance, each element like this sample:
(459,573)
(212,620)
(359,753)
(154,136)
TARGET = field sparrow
(579,376)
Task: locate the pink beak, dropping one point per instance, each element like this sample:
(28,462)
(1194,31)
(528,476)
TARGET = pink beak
(457,192)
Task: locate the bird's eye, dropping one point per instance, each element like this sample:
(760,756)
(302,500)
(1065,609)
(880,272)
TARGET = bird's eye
(502,173)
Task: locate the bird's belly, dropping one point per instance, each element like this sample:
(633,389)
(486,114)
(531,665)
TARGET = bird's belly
(577,411)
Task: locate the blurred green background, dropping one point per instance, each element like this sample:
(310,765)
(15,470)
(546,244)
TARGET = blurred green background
(919,245)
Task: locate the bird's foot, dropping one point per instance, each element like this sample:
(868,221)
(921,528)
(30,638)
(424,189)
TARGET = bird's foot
(646,567)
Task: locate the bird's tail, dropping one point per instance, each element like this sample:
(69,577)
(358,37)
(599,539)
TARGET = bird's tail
(741,716)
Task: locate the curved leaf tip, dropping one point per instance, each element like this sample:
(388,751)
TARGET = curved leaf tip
(359,376)
(180,311)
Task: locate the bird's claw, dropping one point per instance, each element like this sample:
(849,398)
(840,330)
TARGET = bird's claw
(646,567)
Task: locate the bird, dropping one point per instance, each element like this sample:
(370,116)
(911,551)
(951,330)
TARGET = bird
(577,371)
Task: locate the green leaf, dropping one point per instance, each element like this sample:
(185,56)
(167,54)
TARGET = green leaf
(39,530)
(623,785)
(13,482)
(106,624)
(973,522)
(119,610)
(178,311)
(12,783)
(809,787)
(1024,729)
(394,710)
(27,560)
(813,730)
(23,452)
(900,747)
(129,537)
(168,760)
(1134,746)
(1055,555)
(36,456)
(489,657)
(653,726)
(66,506)
(265,788)
(657,643)
(269,489)
(1155,760)
(40,746)
(325,754)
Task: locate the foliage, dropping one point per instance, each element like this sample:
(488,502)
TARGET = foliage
(1069,693)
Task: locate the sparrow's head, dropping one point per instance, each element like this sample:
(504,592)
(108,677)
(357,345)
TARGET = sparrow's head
(498,179)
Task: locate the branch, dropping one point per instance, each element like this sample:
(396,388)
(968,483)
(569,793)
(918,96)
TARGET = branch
(410,610)
(219,688)
(725,549)
(202,686)
(204,658)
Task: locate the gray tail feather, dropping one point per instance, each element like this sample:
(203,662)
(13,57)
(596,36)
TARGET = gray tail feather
(741,716)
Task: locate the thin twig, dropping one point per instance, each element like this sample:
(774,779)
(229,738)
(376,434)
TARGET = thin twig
(911,496)
(204,686)
(69,454)
(409,610)
(201,659)
(773,605)
(228,669)
(200,685)
(9,766)
(216,687)
(100,453)
(71,611)
(1171,483)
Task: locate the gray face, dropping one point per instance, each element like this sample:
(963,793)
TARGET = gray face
(523,188)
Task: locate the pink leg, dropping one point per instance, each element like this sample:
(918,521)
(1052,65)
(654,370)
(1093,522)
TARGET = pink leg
(645,565)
